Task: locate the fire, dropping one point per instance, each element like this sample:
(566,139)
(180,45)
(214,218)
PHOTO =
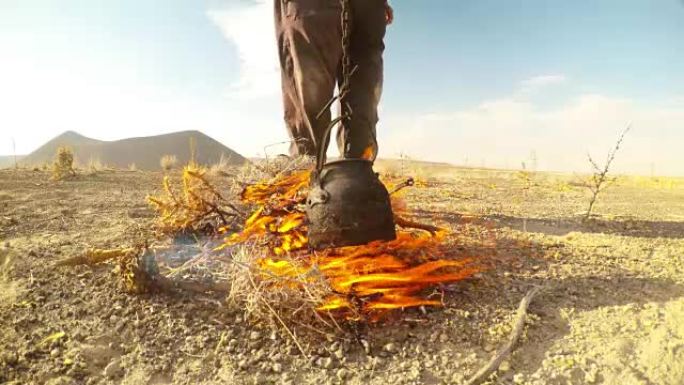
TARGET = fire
(363,280)
(368,153)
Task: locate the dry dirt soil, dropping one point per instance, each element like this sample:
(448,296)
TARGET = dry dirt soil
(611,310)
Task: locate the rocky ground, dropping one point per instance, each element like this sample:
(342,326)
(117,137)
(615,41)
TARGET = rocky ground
(611,310)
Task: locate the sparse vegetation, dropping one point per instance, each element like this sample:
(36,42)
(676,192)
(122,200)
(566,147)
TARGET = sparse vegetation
(599,180)
(132,167)
(222,167)
(63,165)
(168,162)
(604,279)
(94,165)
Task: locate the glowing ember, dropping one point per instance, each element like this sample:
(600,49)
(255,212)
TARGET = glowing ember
(366,279)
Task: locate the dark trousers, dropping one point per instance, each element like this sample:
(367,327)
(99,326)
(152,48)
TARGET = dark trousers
(309,34)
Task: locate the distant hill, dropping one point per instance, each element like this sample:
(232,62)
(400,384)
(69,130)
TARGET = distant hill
(144,152)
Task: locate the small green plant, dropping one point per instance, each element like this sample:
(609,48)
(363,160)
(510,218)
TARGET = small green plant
(63,166)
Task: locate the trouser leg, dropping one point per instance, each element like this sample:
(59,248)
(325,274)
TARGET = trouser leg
(309,42)
(367,47)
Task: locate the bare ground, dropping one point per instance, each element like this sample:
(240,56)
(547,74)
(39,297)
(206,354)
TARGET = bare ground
(611,311)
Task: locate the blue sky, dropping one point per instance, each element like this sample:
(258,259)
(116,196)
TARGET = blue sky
(481,82)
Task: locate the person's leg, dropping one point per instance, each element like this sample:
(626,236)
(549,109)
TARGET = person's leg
(367,47)
(309,43)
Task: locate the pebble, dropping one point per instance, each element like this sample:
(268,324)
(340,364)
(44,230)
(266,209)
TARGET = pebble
(342,374)
(326,362)
(505,366)
(277,368)
(391,347)
(591,376)
(113,369)
(519,378)
(255,335)
(414,374)
(366,346)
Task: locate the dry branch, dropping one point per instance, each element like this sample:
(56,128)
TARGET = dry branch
(521,315)
(407,223)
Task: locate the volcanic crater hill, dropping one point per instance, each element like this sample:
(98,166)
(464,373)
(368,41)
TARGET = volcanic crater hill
(144,152)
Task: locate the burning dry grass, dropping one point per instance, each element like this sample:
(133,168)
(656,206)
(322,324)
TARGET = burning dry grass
(267,268)
(197,208)
(357,283)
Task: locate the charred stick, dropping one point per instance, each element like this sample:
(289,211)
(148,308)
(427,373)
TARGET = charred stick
(406,223)
(407,183)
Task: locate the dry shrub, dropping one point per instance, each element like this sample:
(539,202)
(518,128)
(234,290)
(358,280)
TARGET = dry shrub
(277,276)
(275,299)
(197,208)
(95,165)
(168,162)
(222,168)
(63,165)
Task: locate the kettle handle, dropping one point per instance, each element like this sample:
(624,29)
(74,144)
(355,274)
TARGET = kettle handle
(320,159)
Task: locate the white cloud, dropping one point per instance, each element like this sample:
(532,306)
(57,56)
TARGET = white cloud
(503,133)
(541,81)
(250,27)
(108,100)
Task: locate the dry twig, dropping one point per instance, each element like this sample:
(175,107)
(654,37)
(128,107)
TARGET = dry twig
(518,327)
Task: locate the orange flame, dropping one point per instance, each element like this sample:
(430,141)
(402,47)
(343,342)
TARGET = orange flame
(368,153)
(371,278)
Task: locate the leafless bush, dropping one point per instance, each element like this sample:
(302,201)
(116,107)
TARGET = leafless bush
(599,180)
(168,162)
